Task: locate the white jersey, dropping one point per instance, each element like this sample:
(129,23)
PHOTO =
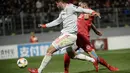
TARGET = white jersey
(69,18)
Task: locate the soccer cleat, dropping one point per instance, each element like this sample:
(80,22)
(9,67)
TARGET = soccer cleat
(33,70)
(66,72)
(95,64)
(112,68)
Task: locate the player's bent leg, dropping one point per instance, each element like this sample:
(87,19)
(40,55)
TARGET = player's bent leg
(83,57)
(87,58)
(93,54)
(73,55)
(66,63)
(45,60)
(70,54)
(89,49)
(95,62)
(62,41)
(104,63)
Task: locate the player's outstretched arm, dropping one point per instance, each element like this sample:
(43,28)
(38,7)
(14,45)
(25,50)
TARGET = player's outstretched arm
(42,25)
(53,23)
(95,30)
(90,11)
(79,9)
(96,14)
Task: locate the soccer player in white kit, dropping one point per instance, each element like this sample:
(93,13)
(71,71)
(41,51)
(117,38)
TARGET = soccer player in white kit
(68,36)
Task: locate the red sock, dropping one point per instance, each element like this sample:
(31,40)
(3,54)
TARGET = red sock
(103,62)
(66,63)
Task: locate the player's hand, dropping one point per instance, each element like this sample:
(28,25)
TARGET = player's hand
(96,14)
(39,25)
(42,25)
(99,33)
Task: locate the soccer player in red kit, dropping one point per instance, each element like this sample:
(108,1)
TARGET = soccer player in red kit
(83,40)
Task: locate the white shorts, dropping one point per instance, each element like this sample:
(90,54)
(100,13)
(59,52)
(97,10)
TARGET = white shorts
(64,40)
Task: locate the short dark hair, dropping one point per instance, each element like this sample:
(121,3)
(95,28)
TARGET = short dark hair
(66,1)
(83,1)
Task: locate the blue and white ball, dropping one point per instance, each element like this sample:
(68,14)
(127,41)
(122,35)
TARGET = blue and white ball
(22,62)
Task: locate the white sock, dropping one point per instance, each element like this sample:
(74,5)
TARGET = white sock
(45,61)
(84,57)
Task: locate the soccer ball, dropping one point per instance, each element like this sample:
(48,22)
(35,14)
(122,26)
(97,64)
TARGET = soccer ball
(22,62)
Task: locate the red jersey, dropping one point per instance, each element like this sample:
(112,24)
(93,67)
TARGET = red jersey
(84,26)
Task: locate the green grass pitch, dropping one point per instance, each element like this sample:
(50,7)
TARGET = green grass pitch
(118,58)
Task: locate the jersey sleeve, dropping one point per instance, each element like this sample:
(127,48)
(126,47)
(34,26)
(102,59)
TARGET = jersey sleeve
(79,9)
(55,22)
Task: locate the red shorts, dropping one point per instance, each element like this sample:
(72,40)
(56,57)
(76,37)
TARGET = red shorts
(83,41)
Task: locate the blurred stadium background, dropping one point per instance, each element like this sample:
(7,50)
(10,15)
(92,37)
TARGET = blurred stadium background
(20,18)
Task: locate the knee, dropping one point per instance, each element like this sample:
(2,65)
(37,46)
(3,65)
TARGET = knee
(90,49)
(49,54)
(75,56)
(70,56)
(51,50)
